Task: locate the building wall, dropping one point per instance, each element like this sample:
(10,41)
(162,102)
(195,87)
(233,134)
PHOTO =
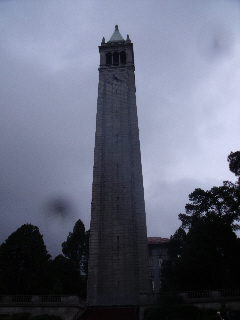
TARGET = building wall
(158,252)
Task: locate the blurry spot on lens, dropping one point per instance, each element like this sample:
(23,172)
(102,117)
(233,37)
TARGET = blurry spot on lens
(59,207)
(215,40)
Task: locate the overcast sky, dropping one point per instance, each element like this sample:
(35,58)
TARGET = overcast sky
(187,59)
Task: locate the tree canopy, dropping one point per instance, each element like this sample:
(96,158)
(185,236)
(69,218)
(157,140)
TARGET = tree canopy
(68,280)
(76,246)
(234,163)
(26,267)
(205,250)
(23,256)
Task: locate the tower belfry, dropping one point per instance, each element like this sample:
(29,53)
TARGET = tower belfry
(118,257)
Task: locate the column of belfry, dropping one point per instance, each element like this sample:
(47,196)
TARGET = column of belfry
(118,257)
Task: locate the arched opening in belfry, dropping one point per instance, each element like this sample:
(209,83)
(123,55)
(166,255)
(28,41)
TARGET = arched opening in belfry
(108,58)
(123,57)
(115,58)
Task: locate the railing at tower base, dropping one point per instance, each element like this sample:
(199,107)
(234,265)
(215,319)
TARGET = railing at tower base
(72,307)
(224,295)
(67,307)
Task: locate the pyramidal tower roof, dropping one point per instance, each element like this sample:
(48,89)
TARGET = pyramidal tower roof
(116,36)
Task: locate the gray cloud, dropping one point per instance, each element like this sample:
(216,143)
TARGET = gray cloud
(187,79)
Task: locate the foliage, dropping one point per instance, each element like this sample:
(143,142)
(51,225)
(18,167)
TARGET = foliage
(46,317)
(26,316)
(21,316)
(26,267)
(205,251)
(15,316)
(234,162)
(175,250)
(178,241)
(210,259)
(223,201)
(76,246)
(177,312)
(68,280)
(23,257)
(5,316)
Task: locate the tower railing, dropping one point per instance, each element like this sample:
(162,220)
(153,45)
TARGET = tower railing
(42,300)
(222,295)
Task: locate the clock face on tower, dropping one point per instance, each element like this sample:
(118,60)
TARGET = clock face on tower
(117,79)
(120,78)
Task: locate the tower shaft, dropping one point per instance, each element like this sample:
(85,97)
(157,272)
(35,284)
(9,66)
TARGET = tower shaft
(118,257)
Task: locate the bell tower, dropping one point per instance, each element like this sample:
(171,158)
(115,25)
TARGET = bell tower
(118,256)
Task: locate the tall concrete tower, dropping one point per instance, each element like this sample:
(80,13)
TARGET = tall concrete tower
(118,259)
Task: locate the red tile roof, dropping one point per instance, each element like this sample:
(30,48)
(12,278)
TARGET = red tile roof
(157,240)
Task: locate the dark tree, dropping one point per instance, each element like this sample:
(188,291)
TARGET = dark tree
(210,258)
(177,243)
(76,246)
(223,201)
(234,162)
(23,259)
(208,255)
(67,278)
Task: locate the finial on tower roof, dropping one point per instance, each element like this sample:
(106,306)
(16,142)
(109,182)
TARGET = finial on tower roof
(128,39)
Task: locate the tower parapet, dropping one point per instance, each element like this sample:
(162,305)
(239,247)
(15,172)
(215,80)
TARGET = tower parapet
(116,52)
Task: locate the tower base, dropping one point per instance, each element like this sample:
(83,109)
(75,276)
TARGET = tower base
(111,313)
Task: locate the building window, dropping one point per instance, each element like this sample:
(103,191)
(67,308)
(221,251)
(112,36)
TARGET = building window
(151,274)
(150,251)
(123,57)
(150,261)
(108,58)
(159,262)
(115,58)
(160,283)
